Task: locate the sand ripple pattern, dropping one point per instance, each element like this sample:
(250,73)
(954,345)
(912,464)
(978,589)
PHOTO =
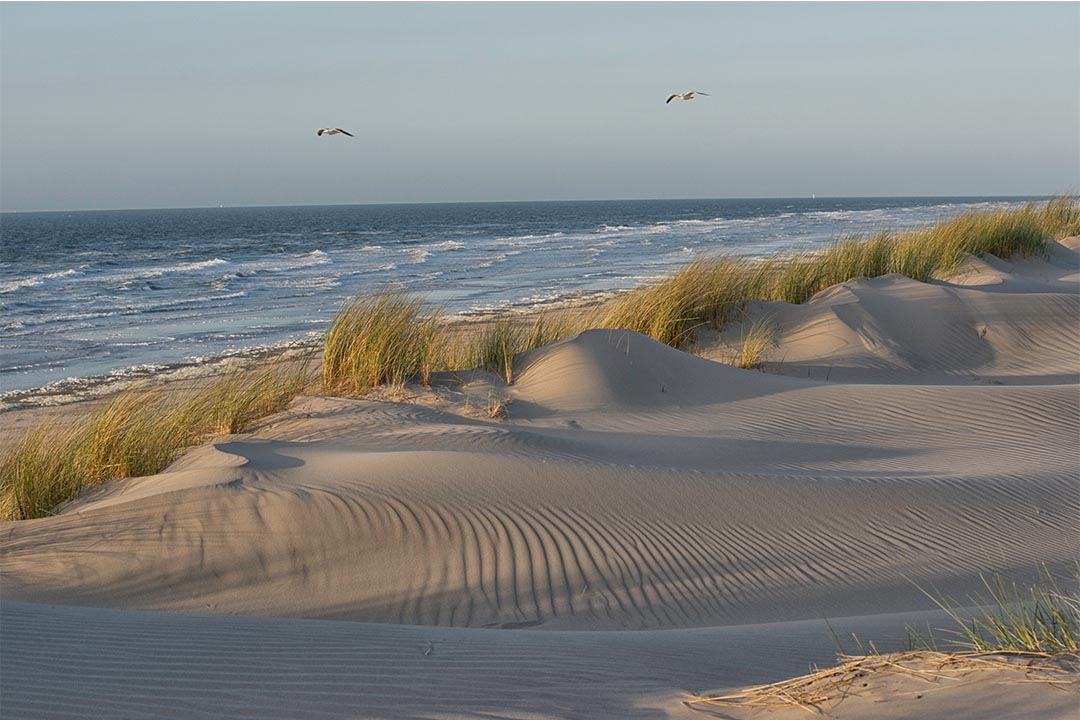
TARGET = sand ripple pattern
(483,540)
(633,487)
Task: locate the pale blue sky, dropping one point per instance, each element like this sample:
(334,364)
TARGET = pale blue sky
(175,105)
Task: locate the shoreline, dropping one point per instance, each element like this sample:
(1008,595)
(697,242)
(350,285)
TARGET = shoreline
(74,390)
(142,311)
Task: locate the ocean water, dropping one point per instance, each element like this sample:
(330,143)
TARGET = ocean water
(89,297)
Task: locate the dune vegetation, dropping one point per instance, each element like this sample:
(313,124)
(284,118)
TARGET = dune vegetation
(707,291)
(390,338)
(1042,618)
(1037,624)
(138,432)
(386,338)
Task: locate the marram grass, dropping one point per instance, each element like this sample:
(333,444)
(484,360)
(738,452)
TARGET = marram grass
(1010,618)
(756,344)
(495,346)
(386,338)
(380,339)
(138,432)
(703,292)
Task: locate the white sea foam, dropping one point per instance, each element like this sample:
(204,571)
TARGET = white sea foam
(493,260)
(526,240)
(655,229)
(321,282)
(72,389)
(35,280)
(446,245)
(183,303)
(134,274)
(189,267)
(283,264)
(143,343)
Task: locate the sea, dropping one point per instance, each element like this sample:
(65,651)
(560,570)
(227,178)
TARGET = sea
(89,299)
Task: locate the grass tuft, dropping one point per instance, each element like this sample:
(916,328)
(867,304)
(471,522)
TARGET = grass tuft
(41,471)
(756,344)
(1040,618)
(1033,631)
(670,310)
(240,398)
(498,406)
(496,346)
(138,432)
(821,690)
(379,339)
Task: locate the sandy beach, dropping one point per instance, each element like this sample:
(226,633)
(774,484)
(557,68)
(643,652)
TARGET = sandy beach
(644,526)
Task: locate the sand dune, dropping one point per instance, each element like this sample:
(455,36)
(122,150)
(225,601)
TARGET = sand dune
(654,509)
(634,487)
(996,323)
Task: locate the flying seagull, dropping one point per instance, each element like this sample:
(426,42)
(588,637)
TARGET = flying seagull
(332,131)
(685,96)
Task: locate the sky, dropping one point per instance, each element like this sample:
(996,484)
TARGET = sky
(148,105)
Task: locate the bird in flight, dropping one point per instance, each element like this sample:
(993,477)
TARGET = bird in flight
(685,96)
(332,131)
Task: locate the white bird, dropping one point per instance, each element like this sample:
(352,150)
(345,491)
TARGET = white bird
(685,96)
(332,131)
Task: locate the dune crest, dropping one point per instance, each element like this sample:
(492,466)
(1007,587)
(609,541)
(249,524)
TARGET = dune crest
(997,322)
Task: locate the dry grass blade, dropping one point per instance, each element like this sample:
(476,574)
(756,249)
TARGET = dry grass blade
(497,406)
(813,689)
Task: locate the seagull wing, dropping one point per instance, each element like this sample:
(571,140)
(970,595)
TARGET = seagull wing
(320,131)
(698,92)
(344,132)
(671,97)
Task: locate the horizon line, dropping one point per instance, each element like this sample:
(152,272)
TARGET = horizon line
(511,202)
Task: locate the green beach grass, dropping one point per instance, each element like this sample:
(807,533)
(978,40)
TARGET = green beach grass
(138,432)
(1040,618)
